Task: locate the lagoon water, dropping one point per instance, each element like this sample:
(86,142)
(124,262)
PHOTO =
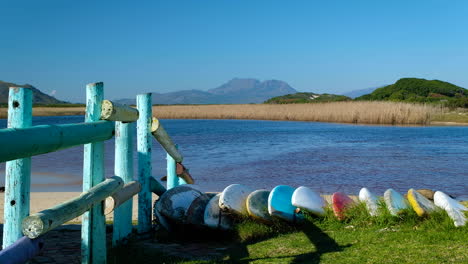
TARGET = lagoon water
(262,154)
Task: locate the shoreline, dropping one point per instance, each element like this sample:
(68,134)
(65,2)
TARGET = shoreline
(45,200)
(205,112)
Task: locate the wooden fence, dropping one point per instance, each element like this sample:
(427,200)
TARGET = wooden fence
(22,233)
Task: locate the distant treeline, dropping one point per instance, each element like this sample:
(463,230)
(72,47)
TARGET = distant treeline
(416,90)
(411,90)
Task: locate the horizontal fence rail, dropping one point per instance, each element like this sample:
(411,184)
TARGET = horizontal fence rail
(26,142)
(156,187)
(40,223)
(165,140)
(117,112)
(126,193)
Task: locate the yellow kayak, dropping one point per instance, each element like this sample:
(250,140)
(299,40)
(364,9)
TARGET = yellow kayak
(421,205)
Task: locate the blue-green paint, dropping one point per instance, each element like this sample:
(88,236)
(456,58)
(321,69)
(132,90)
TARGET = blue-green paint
(144,161)
(123,167)
(156,187)
(18,172)
(20,143)
(182,181)
(172,179)
(93,231)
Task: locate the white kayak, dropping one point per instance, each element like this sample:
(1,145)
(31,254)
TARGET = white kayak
(370,200)
(454,209)
(395,202)
(233,199)
(306,199)
(214,217)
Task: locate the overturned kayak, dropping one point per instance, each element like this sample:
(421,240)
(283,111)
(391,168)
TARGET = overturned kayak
(395,202)
(421,205)
(306,199)
(257,205)
(454,209)
(370,200)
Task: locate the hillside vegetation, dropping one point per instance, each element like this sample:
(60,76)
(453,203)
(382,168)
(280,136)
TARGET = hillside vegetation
(421,91)
(299,98)
(39,98)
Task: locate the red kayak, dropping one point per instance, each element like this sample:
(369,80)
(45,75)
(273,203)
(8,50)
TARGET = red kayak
(340,202)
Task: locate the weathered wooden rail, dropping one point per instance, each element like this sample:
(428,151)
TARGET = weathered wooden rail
(103,120)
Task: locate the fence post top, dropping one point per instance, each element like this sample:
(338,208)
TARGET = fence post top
(143,94)
(95,84)
(18,87)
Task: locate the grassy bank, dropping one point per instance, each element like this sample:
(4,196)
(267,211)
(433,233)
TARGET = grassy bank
(385,113)
(360,239)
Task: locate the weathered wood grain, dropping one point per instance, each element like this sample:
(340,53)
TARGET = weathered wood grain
(165,140)
(123,167)
(40,223)
(113,202)
(144,161)
(93,230)
(17,172)
(117,112)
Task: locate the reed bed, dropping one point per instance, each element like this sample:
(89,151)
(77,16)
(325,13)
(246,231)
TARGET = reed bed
(385,113)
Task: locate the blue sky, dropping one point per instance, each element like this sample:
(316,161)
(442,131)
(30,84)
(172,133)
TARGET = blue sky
(161,46)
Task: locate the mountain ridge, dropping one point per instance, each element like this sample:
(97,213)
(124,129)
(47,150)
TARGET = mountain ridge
(38,96)
(235,91)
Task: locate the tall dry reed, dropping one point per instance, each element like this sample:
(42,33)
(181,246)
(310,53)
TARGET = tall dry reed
(389,113)
(49,111)
(341,112)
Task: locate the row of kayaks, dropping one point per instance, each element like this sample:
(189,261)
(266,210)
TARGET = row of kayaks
(188,205)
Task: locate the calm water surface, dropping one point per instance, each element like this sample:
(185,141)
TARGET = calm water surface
(262,154)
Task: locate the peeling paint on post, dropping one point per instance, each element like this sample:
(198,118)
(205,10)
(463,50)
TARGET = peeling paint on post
(123,168)
(17,172)
(144,136)
(93,231)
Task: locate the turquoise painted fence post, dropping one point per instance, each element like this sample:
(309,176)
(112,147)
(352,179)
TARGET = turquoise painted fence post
(144,142)
(93,230)
(123,168)
(172,179)
(18,172)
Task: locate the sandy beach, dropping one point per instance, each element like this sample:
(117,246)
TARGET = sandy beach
(44,200)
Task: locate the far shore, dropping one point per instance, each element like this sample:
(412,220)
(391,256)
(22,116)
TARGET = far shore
(372,113)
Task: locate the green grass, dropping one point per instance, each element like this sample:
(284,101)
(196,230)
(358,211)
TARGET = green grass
(358,239)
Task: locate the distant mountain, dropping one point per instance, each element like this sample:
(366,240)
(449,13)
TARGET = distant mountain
(299,98)
(236,91)
(420,90)
(38,96)
(361,92)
